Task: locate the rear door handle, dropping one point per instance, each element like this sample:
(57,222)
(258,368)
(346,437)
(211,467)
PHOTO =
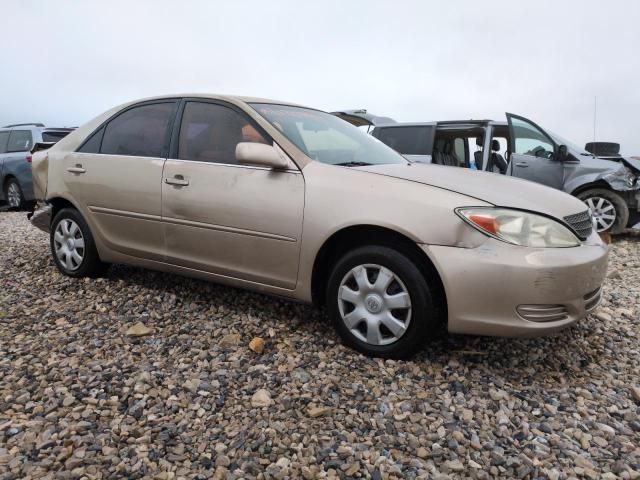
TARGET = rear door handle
(78,169)
(522,164)
(178,180)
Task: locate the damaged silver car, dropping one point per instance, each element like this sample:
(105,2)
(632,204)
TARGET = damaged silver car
(521,148)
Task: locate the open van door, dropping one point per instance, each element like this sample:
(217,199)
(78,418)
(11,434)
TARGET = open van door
(534,154)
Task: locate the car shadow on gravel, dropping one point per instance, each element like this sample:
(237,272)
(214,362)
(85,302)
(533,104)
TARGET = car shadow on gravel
(567,351)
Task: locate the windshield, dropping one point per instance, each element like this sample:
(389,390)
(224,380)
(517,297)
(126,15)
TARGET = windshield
(570,145)
(326,138)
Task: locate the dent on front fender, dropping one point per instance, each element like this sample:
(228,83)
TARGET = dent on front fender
(624,179)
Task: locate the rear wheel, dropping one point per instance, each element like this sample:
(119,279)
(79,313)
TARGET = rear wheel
(72,245)
(380,302)
(13,194)
(609,209)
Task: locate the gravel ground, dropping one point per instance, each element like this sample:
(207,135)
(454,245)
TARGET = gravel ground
(79,398)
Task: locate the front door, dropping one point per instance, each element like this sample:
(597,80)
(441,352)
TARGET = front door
(115,179)
(236,221)
(534,155)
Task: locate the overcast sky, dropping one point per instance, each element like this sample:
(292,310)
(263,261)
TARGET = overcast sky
(64,62)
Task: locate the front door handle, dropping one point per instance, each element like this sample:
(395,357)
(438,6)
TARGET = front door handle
(78,169)
(522,164)
(178,180)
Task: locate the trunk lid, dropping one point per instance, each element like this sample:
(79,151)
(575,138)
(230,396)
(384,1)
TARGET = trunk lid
(361,118)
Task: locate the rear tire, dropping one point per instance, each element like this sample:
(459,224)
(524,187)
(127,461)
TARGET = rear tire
(13,194)
(72,246)
(604,205)
(389,318)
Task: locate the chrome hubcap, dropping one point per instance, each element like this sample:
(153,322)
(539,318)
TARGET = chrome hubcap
(13,195)
(68,244)
(374,304)
(603,212)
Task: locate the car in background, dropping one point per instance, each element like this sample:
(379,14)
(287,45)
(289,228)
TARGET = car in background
(297,203)
(16,142)
(520,148)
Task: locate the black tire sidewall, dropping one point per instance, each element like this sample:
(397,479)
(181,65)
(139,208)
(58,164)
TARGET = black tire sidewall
(91,265)
(424,317)
(622,210)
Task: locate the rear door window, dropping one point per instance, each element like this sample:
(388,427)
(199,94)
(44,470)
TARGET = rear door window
(4,136)
(20,141)
(416,140)
(141,131)
(54,136)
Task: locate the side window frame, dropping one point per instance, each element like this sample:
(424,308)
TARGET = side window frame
(177,125)
(101,129)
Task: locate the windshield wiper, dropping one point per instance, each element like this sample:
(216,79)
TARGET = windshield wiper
(353,164)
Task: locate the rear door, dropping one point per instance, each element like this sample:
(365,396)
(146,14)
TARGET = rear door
(4,137)
(115,178)
(236,221)
(15,161)
(533,153)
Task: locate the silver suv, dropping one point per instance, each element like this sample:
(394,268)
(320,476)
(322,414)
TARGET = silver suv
(16,142)
(519,148)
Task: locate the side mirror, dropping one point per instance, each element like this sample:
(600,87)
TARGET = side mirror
(563,153)
(248,153)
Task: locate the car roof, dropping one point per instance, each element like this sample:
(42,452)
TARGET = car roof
(460,123)
(35,126)
(215,96)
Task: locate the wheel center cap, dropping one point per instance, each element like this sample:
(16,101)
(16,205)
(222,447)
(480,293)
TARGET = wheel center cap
(70,244)
(373,303)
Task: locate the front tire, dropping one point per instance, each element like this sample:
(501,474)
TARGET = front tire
(380,303)
(13,194)
(72,246)
(608,208)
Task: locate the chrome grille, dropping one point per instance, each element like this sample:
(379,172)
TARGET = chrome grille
(582,223)
(543,313)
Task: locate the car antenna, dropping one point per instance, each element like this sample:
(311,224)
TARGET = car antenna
(595,102)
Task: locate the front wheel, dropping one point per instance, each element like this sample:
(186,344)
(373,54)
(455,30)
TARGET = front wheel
(609,209)
(380,302)
(72,245)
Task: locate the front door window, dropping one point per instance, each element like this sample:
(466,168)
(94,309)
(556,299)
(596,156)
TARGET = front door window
(530,140)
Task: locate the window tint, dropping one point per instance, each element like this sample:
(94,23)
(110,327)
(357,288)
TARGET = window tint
(408,140)
(210,133)
(4,136)
(92,144)
(19,141)
(530,140)
(140,131)
(54,136)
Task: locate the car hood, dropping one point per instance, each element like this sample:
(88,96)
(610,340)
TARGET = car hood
(493,188)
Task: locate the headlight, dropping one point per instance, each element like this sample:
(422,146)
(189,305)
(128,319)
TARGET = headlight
(519,228)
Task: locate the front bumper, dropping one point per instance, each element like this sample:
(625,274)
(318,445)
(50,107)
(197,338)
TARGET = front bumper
(41,217)
(498,289)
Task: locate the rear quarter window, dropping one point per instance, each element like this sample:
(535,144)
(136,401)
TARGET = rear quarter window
(20,141)
(407,140)
(4,136)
